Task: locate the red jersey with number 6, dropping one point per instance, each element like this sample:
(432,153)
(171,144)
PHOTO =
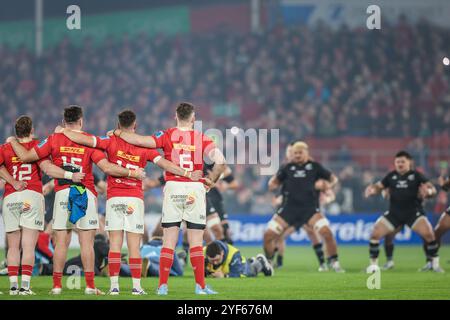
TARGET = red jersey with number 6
(128,156)
(65,152)
(185,148)
(28,172)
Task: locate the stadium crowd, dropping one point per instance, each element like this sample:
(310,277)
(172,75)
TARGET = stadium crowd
(325,83)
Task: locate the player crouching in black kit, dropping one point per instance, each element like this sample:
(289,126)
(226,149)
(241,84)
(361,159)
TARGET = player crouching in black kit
(407,189)
(302,180)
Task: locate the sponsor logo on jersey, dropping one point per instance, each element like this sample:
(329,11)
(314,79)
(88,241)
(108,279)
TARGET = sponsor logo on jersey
(402,184)
(26,207)
(186,147)
(15,160)
(300,174)
(159,134)
(73,150)
(129,157)
(130,210)
(42,143)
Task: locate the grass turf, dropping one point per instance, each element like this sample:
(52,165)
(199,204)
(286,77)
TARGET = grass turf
(298,280)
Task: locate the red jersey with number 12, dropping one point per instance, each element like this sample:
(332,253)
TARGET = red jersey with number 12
(66,152)
(185,148)
(128,156)
(28,172)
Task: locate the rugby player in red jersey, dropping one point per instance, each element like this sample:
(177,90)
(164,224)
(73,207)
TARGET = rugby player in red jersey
(183,199)
(125,197)
(23,211)
(68,154)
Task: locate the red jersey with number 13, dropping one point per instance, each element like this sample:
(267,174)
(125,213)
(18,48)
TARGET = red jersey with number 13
(185,148)
(66,152)
(128,156)
(28,172)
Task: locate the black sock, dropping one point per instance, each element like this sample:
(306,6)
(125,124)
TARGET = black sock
(279,260)
(432,249)
(332,259)
(319,253)
(389,250)
(226,226)
(374,249)
(428,257)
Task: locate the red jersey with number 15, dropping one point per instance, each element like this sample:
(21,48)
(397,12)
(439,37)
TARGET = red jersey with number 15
(66,152)
(128,156)
(28,172)
(183,147)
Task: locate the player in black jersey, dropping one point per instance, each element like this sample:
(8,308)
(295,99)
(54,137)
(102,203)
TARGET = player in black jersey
(216,216)
(312,235)
(301,180)
(407,190)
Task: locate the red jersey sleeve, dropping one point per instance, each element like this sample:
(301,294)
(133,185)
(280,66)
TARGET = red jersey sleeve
(159,138)
(97,156)
(207,144)
(152,155)
(2,159)
(103,142)
(44,148)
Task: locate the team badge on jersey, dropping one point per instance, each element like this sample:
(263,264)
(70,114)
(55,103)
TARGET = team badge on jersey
(42,143)
(308,166)
(159,134)
(411,177)
(293,168)
(394,177)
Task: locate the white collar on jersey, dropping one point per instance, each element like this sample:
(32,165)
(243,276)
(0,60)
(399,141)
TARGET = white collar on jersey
(185,129)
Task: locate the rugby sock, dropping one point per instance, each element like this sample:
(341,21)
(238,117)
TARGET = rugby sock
(114,260)
(332,259)
(57,277)
(374,250)
(136,270)
(165,264)
(279,260)
(13,273)
(318,249)
(432,252)
(426,252)
(27,271)
(198,265)
(389,250)
(89,277)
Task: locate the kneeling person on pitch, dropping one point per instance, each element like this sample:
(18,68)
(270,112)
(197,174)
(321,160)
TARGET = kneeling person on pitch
(225,260)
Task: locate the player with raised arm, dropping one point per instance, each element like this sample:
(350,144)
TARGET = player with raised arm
(407,190)
(302,180)
(23,210)
(183,198)
(125,197)
(74,157)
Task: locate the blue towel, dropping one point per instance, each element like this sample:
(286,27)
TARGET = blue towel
(78,203)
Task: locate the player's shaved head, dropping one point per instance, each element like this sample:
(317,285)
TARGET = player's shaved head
(184,111)
(127,119)
(23,127)
(72,114)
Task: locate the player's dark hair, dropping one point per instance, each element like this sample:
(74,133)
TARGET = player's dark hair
(403,154)
(185,110)
(23,126)
(126,118)
(72,114)
(213,249)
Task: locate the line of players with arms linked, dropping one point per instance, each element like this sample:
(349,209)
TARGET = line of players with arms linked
(68,155)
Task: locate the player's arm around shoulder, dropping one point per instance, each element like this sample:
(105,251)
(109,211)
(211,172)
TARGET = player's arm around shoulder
(135,139)
(220,165)
(17,185)
(114,170)
(24,154)
(58,173)
(78,137)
